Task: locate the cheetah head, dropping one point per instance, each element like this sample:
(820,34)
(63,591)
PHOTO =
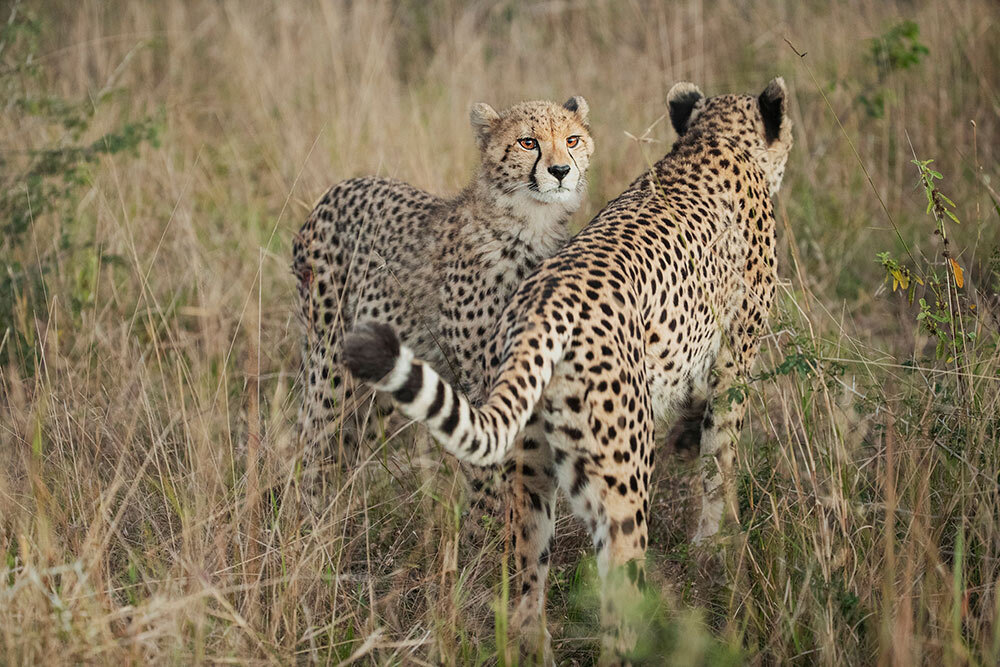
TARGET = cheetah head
(760,124)
(536,153)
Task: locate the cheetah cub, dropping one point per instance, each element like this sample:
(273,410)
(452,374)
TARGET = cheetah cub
(438,270)
(657,304)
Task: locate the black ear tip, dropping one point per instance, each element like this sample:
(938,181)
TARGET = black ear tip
(681,101)
(577,105)
(772,108)
(685,101)
(684,93)
(776,90)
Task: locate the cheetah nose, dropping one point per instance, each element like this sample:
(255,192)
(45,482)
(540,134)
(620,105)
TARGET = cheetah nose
(559,171)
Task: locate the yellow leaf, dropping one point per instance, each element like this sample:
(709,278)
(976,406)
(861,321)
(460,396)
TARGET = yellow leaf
(957,270)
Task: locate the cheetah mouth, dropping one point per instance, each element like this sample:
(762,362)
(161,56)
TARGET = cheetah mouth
(557,195)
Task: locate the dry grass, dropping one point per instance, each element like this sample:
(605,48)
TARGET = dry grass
(148,382)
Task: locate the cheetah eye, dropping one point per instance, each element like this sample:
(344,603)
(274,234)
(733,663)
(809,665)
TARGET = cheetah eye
(528,143)
(572,141)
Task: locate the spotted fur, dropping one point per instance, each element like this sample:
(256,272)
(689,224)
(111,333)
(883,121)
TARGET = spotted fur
(439,270)
(656,306)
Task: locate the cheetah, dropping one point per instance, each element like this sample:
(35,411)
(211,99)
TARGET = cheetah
(438,270)
(657,304)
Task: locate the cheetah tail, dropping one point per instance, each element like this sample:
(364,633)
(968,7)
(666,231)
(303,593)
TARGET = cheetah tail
(482,436)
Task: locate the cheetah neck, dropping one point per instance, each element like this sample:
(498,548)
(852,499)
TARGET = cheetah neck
(517,215)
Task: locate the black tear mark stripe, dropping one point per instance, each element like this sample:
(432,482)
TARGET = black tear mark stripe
(534,180)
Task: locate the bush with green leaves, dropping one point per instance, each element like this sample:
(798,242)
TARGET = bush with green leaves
(41,185)
(898,49)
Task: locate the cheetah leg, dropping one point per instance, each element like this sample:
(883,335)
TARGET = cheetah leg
(721,426)
(320,421)
(486,497)
(488,487)
(620,537)
(532,495)
(614,502)
(621,565)
(328,427)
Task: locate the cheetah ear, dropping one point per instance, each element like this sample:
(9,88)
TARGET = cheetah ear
(482,116)
(579,105)
(773,103)
(681,102)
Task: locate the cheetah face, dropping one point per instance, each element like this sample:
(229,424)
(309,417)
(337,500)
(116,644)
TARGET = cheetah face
(759,124)
(537,153)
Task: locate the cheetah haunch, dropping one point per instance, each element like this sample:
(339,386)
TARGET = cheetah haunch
(657,304)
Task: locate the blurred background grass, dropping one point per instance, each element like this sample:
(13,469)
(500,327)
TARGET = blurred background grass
(155,160)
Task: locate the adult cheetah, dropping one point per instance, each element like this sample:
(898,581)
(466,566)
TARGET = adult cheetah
(440,271)
(657,304)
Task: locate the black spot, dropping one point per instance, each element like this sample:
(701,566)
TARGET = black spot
(580,478)
(536,501)
(571,433)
